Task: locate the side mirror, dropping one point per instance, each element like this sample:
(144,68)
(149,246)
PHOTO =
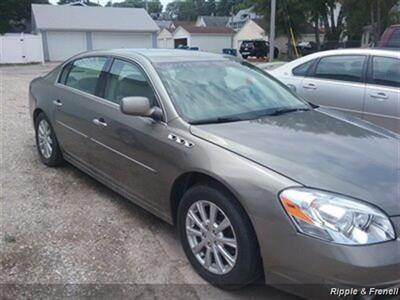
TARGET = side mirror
(140,107)
(292,87)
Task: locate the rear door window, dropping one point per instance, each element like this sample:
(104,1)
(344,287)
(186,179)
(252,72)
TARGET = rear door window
(386,71)
(85,73)
(302,70)
(341,67)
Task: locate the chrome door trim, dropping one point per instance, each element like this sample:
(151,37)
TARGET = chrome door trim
(380,115)
(335,81)
(342,109)
(124,155)
(72,129)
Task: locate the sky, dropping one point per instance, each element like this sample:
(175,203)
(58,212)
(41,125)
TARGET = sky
(104,2)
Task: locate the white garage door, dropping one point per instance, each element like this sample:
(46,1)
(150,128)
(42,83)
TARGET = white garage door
(63,45)
(109,40)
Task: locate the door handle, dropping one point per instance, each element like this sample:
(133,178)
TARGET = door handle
(100,122)
(379,96)
(310,86)
(57,103)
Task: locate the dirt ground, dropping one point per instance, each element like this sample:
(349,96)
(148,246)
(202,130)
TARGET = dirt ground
(64,235)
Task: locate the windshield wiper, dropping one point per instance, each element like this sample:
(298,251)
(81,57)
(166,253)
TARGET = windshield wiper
(216,120)
(282,111)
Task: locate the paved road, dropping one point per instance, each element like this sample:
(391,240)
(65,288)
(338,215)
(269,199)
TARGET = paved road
(67,235)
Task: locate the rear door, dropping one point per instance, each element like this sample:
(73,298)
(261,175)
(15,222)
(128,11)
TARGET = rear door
(77,86)
(382,97)
(337,82)
(295,80)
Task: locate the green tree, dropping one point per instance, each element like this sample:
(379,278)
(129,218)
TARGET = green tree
(189,10)
(229,7)
(87,2)
(290,18)
(16,14)
(154,6)
(370,12)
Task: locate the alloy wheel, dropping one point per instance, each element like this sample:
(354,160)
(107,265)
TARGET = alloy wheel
(44,139)
(211,237)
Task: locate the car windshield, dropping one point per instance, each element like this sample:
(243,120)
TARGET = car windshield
(223,91)
(247,44)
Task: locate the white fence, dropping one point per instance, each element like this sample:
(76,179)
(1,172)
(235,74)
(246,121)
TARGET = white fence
(20,48)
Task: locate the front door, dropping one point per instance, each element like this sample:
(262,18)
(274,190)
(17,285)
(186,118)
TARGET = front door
(337,82)
(128,149)
(382,97)
(72,99)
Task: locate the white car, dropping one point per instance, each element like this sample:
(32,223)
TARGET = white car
(362,82)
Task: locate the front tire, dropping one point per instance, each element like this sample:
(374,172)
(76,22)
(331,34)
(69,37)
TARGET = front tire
(46,142)
(218,238)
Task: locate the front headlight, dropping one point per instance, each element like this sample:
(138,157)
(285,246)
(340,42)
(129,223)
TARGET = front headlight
(336,218)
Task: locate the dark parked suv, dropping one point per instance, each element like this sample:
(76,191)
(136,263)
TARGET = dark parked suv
(256,48)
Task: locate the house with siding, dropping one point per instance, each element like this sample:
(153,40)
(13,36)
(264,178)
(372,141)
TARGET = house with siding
(67,30)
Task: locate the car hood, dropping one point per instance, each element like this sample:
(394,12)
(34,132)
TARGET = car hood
(319,149)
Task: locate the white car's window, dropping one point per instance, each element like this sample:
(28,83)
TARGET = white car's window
(219,90)
(386,71)
(84,73)
(127,80)
(341,67)
(302,69)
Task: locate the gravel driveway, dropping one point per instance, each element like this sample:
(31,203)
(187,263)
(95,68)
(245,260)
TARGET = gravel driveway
(64,235)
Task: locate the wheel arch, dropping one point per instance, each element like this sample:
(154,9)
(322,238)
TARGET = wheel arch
(36,112)
(186,180)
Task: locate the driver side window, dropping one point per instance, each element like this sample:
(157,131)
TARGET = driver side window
(127,80)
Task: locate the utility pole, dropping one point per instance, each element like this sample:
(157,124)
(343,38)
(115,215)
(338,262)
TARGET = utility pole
(272,31)
(146,5)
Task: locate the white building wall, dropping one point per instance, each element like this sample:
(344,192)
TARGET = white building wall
(211,43)
(165,40)
(21,48)
(165,43)
(110,40)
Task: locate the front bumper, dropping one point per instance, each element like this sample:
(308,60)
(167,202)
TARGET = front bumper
(300,263)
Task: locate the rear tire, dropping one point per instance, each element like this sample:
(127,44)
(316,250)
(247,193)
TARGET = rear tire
(276,53)
(244,56)
(243,264)
(46,142)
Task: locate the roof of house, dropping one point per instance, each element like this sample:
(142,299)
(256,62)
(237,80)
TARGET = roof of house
(209,30)
(215,21)
(182,23)
(64,17)
(77,3)
(244,14)
(262,23)
(163,23)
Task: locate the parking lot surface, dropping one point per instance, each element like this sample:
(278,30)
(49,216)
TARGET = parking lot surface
(64,235)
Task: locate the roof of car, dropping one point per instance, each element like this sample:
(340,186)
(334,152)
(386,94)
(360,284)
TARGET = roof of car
(166,55)
(355,51)
(366,51)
